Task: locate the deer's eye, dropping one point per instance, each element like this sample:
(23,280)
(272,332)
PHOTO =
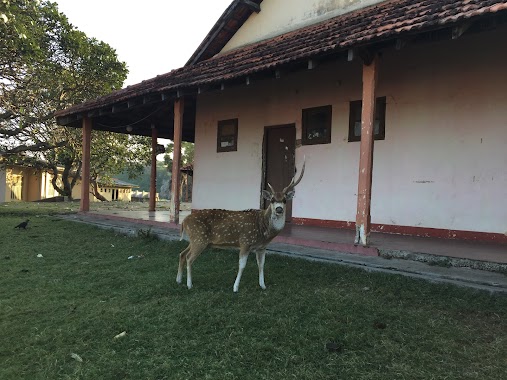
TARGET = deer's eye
(284,200)
(272,200)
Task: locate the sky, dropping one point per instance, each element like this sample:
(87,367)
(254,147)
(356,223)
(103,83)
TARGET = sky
(151,36)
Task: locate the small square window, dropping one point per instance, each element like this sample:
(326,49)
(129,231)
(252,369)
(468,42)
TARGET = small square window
(227,136)
(317,125)
(355,120)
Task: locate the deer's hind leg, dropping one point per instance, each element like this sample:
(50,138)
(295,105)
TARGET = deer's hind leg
(183,258)
(194,251)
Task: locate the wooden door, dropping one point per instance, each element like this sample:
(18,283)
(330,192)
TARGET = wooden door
(279,159)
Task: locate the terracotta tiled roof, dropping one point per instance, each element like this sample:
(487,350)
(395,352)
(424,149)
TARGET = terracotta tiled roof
(383,21)
(115,182)
(224,29)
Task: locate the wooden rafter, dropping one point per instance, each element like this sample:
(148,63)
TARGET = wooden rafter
(252,6)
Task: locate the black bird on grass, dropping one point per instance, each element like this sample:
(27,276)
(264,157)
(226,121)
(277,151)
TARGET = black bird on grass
(23,224)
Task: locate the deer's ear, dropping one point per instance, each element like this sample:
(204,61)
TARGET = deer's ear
(290,194)
(266,195)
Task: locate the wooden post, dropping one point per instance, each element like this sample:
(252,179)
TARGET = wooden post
(179,105)
(85,168)
(153,175)
(363,217)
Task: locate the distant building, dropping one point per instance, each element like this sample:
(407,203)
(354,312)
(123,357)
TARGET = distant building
(115,191)
(142,196)
(19,183)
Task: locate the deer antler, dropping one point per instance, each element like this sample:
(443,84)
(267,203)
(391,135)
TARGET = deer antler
(271,189)
(293,184)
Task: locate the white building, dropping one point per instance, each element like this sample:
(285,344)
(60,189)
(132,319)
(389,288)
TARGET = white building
(279,80)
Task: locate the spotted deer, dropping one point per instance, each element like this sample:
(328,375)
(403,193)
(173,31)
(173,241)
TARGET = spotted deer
(248,230)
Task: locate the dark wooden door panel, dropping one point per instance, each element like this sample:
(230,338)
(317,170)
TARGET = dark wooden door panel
(280,160)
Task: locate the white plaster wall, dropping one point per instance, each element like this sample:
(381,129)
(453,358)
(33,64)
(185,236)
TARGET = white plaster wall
(443,162)
(226,186)
(280,16)
(446,156)
(271,103)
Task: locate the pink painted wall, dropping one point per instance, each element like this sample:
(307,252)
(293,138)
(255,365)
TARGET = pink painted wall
(442,164)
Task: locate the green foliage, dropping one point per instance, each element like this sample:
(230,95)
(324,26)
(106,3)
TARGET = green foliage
(143,179)
(113,153)
(164,170)
(81,294)
(46,64)
(187,156)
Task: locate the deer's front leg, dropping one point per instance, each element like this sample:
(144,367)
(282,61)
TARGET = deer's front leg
(261,256)
(243,257)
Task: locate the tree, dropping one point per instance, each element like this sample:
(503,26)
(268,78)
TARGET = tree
(187,156)
(114,153)
(45,65)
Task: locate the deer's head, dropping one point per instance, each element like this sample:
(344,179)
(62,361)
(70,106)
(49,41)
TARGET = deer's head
(279,199)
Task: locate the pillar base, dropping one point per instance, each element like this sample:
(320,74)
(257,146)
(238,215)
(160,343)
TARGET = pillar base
(361,236)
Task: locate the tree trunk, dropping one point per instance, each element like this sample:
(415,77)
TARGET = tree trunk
(77,175)
(95,191)
(67,188)
(54,181)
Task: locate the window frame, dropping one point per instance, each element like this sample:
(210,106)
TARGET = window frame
(307,113)
(355,110)
(220,125)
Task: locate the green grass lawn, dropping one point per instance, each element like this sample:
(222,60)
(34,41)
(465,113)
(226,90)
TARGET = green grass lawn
(84,291)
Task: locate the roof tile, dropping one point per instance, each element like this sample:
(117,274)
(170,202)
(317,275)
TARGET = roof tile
(385,20)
